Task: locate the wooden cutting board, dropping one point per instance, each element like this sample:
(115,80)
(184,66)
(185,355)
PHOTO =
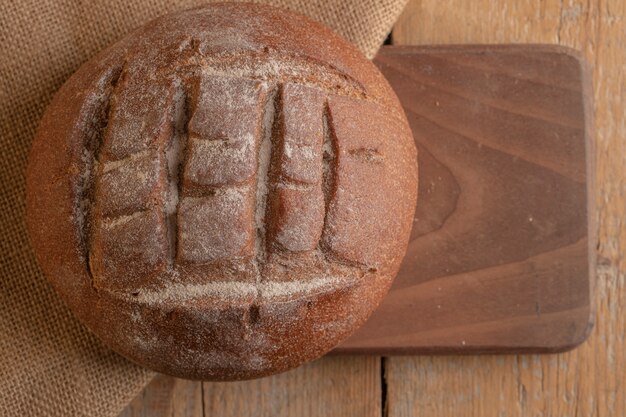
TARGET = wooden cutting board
(501,257)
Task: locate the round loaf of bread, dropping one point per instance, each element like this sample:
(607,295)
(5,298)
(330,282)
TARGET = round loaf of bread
(225,193)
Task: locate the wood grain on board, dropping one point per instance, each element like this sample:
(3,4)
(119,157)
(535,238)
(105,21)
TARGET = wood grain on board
(587,381)
(499,258)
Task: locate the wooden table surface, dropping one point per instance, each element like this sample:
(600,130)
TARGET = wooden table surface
(588,381)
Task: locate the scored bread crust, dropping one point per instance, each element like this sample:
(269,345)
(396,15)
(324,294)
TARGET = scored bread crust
(223,194)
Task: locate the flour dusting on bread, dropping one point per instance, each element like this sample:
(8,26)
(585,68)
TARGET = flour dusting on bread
(240,186)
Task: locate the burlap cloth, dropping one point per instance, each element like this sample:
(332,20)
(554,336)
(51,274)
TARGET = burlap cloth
(49,364)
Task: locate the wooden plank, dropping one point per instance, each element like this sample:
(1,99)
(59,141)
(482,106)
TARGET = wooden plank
(336,386)
(588,381)
(167,397)
(333,386)
(498,258)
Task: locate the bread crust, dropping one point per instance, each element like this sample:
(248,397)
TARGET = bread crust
(223,194)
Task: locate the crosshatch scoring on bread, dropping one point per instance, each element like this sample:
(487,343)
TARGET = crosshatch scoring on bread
(250,168)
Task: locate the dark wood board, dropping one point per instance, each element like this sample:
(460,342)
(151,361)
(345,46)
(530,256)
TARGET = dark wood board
(501,253)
